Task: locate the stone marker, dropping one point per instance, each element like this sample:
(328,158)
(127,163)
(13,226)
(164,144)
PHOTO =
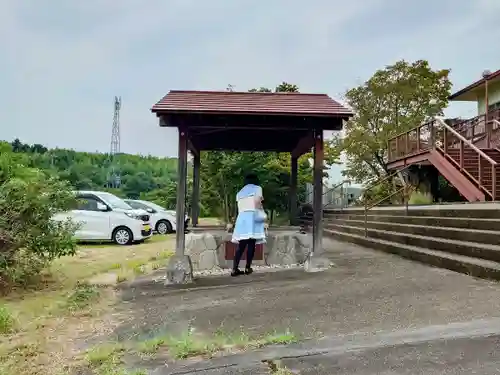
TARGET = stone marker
(179,270)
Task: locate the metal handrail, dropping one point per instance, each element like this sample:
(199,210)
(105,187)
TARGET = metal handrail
(339,185)
(407,191)
(377,183)
(329,190)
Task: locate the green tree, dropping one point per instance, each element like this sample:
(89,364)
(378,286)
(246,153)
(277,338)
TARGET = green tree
(29,237)
(90,171)
(395,99)
(165,197)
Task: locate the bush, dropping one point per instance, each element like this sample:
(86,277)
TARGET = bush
(420,198)
(24,268)
(29,237)
(7,322)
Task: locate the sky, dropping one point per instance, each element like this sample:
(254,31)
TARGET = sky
(62,62)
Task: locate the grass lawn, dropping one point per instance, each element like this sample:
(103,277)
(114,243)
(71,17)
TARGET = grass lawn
(38,327)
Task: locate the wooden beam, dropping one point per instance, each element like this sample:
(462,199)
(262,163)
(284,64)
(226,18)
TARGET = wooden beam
(195,200)
(163,121)
(304,145)
(318,192)
(191,147)
(242,121)
(181,192)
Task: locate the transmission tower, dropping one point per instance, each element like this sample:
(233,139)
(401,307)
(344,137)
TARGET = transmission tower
(114,179)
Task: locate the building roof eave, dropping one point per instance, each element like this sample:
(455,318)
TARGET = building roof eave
(462,95)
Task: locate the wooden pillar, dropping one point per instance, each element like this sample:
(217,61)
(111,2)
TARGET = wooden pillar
(318,192)
(293,211)
(195,199)
(181,192)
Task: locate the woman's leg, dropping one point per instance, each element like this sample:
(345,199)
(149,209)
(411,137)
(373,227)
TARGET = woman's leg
(250,253)
(239,253)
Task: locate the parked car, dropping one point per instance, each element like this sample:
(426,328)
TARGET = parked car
(105,217)
(162,220)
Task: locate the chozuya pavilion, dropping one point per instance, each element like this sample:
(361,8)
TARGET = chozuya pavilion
(244,121)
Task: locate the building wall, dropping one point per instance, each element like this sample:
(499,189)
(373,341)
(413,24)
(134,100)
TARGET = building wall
(493,97)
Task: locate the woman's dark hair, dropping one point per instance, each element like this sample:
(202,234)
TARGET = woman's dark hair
(251,179)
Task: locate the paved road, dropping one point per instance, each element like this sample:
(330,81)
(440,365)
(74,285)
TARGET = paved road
(366,294)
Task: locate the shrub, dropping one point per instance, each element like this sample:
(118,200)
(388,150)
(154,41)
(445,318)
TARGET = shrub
(82,296)
(29,199)
(420,198)
(7,322)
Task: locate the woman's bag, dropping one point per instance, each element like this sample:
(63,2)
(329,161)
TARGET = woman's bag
(260,216)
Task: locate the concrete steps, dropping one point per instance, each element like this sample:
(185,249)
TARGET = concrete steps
(476,267)
(460,234)
(453,222)
(456,238)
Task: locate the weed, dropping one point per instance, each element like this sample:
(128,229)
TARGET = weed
(134,263)
(121,277)
(278,338)
(420,198)
(161,256)
(188,345)
(165,254)
(105,355)
(106,360)
(152,345)
(139,269)
(7,321)
(277,368)
(82,296)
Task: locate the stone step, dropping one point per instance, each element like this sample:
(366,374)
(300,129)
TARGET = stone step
(467,210)
(460,234)
(470,249)
(463,264)
(453,222)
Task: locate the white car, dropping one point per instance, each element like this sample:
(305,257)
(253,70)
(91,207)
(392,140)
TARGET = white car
(105,217)
(162,221)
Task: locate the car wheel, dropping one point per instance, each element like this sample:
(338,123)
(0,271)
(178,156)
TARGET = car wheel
(163,227)
(122,236)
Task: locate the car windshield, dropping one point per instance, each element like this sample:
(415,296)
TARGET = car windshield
(115,202)
(154,206)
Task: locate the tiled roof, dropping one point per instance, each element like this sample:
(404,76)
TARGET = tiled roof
(250,103)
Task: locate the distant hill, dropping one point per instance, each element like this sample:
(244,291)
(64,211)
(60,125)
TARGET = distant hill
(141,176)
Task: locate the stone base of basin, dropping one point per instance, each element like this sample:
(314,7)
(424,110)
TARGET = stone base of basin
(207,249)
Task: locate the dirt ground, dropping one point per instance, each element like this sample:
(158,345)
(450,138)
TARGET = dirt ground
(44,324)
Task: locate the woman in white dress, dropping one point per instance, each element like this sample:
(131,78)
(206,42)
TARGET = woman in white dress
(249,227)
